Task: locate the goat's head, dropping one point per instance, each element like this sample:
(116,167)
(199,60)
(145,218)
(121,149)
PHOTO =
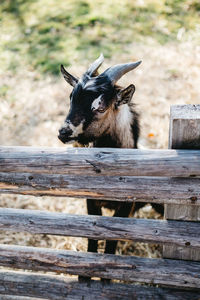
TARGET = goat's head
(93,98)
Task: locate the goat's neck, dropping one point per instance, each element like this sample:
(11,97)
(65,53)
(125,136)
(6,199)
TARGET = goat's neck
(123,127)
(119,133)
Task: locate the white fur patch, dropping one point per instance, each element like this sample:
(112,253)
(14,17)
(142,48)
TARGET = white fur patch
(96,103)
(123,129)
(76,130)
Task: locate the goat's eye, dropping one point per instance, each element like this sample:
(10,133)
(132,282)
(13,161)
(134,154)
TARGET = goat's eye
(101,110)
(98,105)
(98,110)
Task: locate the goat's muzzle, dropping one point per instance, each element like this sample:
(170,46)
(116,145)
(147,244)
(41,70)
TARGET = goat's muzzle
(65,134)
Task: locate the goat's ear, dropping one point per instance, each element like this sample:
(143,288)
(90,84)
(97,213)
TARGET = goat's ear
(68,77)
(124,96)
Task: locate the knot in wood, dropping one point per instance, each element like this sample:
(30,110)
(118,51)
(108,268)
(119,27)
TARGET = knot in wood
(187,243)
(193,199)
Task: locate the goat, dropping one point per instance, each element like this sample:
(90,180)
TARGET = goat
(101,113)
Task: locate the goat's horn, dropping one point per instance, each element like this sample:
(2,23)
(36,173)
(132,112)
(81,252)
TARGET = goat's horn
(116,72)
(95,65)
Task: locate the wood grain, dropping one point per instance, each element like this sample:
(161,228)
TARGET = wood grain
(184,134)
(184,127)
(145,189)
(167,272)
(100,162)
(60,287)
(9,297)
(185,234)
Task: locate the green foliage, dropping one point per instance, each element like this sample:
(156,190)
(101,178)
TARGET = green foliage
(3,90)
(42,34)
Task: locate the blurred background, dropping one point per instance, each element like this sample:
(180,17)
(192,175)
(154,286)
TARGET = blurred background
(36,36)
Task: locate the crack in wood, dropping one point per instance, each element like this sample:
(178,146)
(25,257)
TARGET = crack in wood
(96,169)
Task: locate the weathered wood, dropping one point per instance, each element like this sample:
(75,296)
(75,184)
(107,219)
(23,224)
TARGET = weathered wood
(100,162)
(127,188)
(96,227)
(184,127)
(182,212)
(9,297)
(59,288)
(184,134)
(128,268)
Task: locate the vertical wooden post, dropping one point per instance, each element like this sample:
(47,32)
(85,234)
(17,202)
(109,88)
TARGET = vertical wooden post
(184,133)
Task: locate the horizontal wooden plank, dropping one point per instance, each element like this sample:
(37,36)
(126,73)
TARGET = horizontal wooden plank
(60,287)
(10,297)
(96,227)
(127,188)
(100,161)
(127,268)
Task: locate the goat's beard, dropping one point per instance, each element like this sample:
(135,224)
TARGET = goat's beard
(84,140)
(81,139)
(65,140)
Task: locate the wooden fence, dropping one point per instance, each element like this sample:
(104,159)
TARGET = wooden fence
(171,177)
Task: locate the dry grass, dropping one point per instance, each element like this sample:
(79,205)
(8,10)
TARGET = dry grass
(33,108)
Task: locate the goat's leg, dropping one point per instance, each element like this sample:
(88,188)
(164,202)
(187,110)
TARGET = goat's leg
(159,208)
(93,209)
(123,211)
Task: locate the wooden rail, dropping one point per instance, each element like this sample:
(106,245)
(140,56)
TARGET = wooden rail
(100,162)
(96,227)
(178,273)
(61,172)
(59,288)
(146,189)
(9,297)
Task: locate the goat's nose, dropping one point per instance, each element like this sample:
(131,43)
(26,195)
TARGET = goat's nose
(66,130)
(63,131)
(64,134)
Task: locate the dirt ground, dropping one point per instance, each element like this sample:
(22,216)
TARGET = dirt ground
(33,108)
